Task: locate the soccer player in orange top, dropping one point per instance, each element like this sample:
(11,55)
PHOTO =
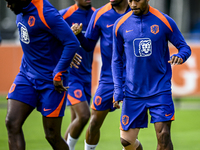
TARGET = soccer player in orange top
(79,92)
(48,46)
(143,35)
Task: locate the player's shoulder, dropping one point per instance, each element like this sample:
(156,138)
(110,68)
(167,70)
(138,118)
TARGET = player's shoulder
(93,9)
(100,13)
(47,13)
(67,12)
(164,18)
(42,4)
(63,11)
(103,9)
(159,14)
(120,21)
(123,18)
(44,8)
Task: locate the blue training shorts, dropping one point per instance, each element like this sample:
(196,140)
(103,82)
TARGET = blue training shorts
(134,111)
(103,98)
(38,93)
(78,92)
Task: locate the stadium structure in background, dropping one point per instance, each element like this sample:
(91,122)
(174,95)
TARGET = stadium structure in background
(185,78)
(186,13)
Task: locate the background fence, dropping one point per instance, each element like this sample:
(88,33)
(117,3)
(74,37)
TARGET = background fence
(186,13)
(185,80)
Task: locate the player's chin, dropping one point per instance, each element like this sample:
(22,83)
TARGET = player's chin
(136,12)
(113,2)
(88,6)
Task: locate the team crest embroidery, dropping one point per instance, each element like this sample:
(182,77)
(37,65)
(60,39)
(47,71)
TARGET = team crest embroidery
(125,119)
(154,29)
(78,93)
(98,100)
(31,21)
(23,33)
(142,47)
(12,88)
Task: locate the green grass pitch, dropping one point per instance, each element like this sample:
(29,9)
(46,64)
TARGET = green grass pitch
(185,130)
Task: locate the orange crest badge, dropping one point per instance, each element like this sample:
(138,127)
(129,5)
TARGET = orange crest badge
(12,88)
(31,21)
(78,93)
(125,119)
(98,100)
(154,29)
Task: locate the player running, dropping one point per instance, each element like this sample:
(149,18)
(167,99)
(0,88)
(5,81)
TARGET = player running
(79,92)
(101,26)
(143,35)
(48,46)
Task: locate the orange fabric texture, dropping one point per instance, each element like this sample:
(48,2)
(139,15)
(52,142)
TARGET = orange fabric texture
(92,106)
(173,118)
(72,100)
(56,112)
(39,5)
(70,11)
(58,76)
(104,9)
(93,9)
(122,21)
(160,16)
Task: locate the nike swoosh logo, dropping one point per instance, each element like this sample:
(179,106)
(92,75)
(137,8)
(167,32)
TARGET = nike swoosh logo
(46,109)
(128,31)
(168,115)
(108,26)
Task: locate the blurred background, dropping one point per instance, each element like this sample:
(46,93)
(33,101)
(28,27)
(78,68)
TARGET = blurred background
(185,82)
(186,13)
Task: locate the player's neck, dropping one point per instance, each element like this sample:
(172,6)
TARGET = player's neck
(84,7)
(121,8)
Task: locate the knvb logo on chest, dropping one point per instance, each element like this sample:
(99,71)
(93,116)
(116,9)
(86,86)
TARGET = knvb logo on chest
(142,47)
(31,21)
(23,33)
(154,29)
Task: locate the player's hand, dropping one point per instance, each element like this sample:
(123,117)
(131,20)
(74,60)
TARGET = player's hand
(175,60)
(77,28)
(59,86)
(116,104)
(76,61)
